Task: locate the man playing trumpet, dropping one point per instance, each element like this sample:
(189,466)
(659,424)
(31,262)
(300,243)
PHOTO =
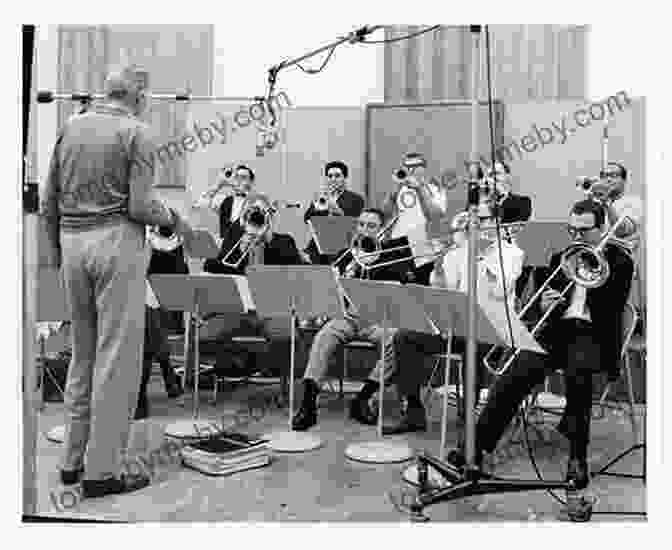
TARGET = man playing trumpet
(356,261)
(412,205)
(333,199)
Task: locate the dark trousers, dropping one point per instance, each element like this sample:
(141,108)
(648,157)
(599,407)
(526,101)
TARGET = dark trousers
(573,350)
(156,347)
(411,347)
(423,273)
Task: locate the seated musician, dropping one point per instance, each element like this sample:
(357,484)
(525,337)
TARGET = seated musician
(338,332)
(167,257)
(451,273)
(583,336)
(333,199)
(412,205)
(610,192)
(266,247)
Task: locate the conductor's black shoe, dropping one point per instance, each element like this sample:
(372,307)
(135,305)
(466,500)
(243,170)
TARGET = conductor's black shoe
(71,477)
(125,483)
(305,418)
(413,421)
(362,413)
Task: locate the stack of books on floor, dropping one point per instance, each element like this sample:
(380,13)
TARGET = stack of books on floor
(226,454)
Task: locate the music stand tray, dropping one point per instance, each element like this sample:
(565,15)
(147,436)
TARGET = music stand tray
(199,294)
(390,304)
(295,291)
(332,233)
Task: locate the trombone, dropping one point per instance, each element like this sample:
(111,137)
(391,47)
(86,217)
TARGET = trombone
(584,265)
(258,212)
(441,245)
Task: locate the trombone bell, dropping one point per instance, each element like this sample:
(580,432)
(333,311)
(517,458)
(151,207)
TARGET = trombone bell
(585,265)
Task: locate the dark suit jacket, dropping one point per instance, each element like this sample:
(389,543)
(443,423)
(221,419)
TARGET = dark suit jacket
(281,250)
(351,203)
(515,208)
(402,271)
(168,262)
(606,305)
(225,217)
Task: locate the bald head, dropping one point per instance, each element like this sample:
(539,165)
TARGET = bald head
(126,84)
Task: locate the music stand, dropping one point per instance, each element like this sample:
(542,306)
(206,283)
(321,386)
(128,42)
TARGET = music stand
(332,233)
(295,291)
(51,306)
(390,304)
(199,295)
(447,310)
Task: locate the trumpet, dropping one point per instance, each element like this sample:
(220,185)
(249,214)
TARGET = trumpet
(598,189)
(584,265)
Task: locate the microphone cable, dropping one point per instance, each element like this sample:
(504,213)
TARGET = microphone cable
(523,408)
(400,38)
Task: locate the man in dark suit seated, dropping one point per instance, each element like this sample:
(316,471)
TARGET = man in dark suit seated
(266,248)
(338,332)
(583,336)
(333,199)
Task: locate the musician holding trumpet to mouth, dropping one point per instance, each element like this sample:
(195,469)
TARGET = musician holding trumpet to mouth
(411,206)
(332,199)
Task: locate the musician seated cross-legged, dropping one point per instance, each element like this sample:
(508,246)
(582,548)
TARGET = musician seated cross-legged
(583,335)
(254,242)
(338,332)
(410,347)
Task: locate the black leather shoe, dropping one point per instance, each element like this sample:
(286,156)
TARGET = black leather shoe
(174,390)
(362,413)
(413,421)
(96,488)
(577,474)
(305,418)
(71,477)
(141,412)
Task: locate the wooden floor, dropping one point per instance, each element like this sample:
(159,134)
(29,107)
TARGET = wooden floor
(323,485)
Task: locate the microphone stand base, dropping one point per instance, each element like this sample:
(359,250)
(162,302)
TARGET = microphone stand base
(379,452)
(454,484)
(292,441)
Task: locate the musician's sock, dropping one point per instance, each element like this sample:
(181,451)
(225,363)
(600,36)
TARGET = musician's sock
(370,387)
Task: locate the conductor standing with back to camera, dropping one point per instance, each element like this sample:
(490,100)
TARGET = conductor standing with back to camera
(96,202)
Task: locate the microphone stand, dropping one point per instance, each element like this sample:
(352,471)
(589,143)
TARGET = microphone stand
(352,37)
(469,480)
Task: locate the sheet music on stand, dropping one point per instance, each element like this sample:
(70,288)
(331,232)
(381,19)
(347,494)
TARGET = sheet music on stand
(375,300)
(201,244)
(214,293)
(314,290)
(332,233)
